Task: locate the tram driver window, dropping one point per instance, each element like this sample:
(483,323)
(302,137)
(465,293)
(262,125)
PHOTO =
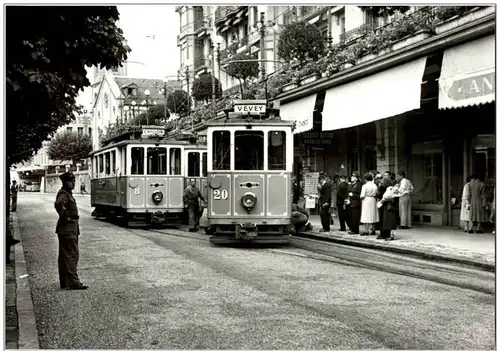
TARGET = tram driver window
(175,161)
(249,150)
(157,160)
(204,165)
(137,159)
(101,165)
(221,146)
(193,164)
(276,150)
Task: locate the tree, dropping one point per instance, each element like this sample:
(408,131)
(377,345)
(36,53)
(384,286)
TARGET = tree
(300,41)
(243,69)
(202,87)
(382,11)
(47,50)
(70,146)
(155,115)
(177,102)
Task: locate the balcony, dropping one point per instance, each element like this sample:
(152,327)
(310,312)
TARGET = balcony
(309,11)
(357,32)
(223,11)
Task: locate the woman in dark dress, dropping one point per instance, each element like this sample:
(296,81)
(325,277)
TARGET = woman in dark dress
(388,213)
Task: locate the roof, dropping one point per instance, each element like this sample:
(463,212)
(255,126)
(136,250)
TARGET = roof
(155,86)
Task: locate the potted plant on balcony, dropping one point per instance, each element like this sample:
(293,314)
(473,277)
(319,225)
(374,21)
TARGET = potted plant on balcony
(309,73)
(293,80)
(300,41)
(240,67)
(449,17)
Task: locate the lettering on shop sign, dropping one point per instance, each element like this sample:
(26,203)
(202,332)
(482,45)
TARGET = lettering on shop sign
(251,109)
(318,135)
(471,87)
(318,141)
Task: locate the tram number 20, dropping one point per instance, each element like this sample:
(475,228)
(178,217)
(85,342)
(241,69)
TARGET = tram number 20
(220,194)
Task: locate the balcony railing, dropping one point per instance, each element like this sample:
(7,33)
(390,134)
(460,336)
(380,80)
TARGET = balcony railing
(357,32)
(309,10)
(223,11)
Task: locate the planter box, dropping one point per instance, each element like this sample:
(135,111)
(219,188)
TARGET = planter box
(370,57)
(412,39)
(458,21)
(347,65)
(310,78)
(289,86)
(324,74)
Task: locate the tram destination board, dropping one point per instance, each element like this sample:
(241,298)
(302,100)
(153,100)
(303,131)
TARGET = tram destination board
(153,132)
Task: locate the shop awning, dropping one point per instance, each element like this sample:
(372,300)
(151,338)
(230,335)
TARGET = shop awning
(300,111)
(384,94)
(468,74)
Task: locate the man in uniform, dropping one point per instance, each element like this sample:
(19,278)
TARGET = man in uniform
(14,189)
(67,231)
(191,196)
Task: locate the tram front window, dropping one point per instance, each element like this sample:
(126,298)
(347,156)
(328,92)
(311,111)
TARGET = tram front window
(221,146)
(276,150)
(157,160)
(193,164)
(137,159)
(249,150)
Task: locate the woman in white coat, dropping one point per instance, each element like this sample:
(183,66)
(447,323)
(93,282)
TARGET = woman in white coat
(369,210)
(465,214)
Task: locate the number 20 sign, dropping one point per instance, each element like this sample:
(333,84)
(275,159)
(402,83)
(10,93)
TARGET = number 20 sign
(220,194)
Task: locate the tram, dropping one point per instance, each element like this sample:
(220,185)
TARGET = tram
(250,164)
(141,175)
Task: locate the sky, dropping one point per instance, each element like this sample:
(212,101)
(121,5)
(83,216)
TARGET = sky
(159,56)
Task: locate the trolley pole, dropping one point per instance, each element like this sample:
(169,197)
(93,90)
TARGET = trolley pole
(213,70)
(165,97)
(188,97)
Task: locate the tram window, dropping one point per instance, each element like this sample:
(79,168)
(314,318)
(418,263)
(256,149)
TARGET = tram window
(276,150)
(204,165)
(107,163)
(249,150)
(193,164)
(101,164)
(113,162)
(221,146)
(157,160)
(137,156)
(175,161)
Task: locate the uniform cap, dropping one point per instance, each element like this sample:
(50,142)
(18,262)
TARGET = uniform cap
(68,176)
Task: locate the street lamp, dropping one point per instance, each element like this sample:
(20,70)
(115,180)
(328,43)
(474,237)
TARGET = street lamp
(133,108)
(261,26)
(147,93)
(218,41)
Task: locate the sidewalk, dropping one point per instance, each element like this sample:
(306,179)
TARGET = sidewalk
(11,325)
(445,243)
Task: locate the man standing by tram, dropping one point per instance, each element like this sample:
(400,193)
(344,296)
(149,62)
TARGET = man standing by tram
(191,201)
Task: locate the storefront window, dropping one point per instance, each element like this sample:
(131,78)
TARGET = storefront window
(427,178)
(221,146)
(157,160)
(277,150)
(249,150)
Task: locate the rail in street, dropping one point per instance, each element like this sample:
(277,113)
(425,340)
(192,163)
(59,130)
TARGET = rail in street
(168,288)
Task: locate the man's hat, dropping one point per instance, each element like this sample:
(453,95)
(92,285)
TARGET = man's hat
(68,176)
(355,174)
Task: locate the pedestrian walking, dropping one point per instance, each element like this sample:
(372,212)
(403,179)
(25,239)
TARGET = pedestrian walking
(68,231)
(369,210)
(14,189)
(405,189)
(354,202)
(478,203)
(192,197)
(465,213)
(325,201)
(342,193)
(388,210)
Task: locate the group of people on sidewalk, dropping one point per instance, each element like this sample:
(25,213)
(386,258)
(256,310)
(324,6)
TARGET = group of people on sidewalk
(378,202)
(478,205)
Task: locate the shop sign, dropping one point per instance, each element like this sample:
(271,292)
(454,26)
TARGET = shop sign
(472,87)
(318,138)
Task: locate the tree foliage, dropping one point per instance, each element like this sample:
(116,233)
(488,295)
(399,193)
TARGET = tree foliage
(177,102)
(47,50)
(381,11)
(300,41)
(70,146)
(202,87)
(155,115)
(243,69)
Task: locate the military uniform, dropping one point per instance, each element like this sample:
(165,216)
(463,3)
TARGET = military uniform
(14,189)
(68,230)
(191,196)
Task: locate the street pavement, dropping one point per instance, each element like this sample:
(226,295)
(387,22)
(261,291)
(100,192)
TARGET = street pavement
(170,289)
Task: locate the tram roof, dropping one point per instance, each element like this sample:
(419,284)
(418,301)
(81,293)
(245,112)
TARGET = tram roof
(159,142)
(275,122)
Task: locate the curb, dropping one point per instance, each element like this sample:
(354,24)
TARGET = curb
(412,252)
(28,335)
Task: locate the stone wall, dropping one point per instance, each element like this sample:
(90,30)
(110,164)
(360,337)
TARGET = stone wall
(53,183)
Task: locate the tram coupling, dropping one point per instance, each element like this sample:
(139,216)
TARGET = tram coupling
(246,231)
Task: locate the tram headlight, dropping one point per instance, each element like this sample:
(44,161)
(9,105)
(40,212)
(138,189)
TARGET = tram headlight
(248,200)
(157,197)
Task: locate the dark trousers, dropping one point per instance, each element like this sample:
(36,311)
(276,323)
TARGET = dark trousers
(342,212)
(354,218)
(68,260)
(14,203)
(194,215)
(324,215)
